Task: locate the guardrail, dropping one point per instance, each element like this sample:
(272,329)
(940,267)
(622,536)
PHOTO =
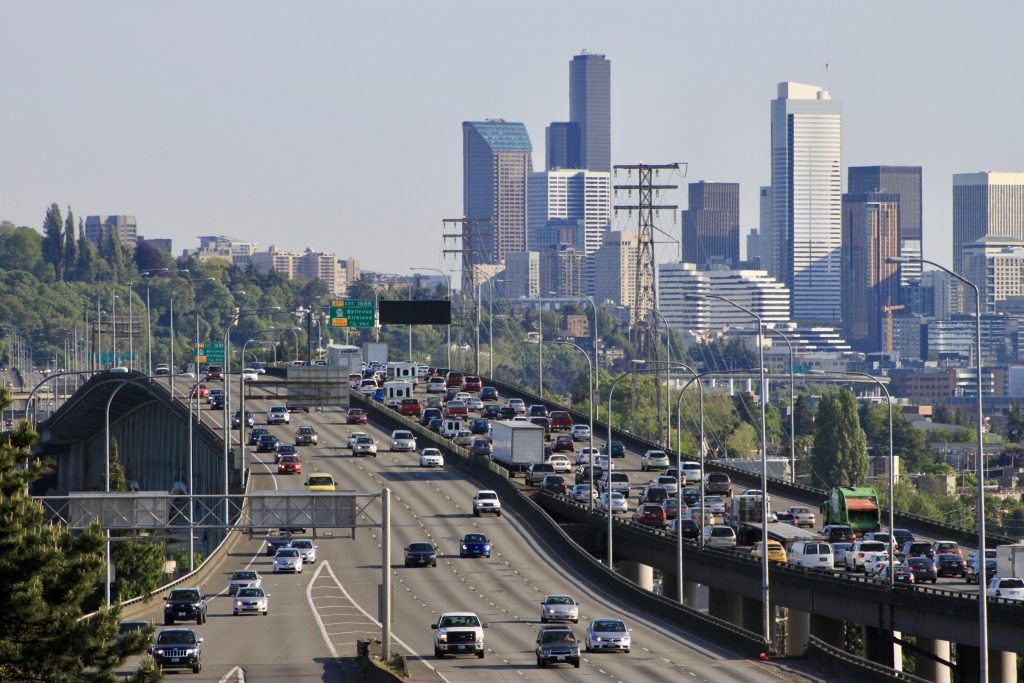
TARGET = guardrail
(842,663)
(809,495)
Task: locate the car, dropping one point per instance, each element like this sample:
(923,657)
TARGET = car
(719,536)
(537,410)
(429,414)
(776,552)
(508,413)
(199,391)
(559,462)
(946,547)
(554,483)
(320,482)
(356,416)
(668,483)
(353,436)
(838,533)
(491,411)
(368,387)
(258,368)
(536,472)
(480,425)
(902,536)
(451,394)
(863,552)
(472,383)
(185,604)
(584,473)
(616,450)
(365,445)
(811,555)
(486,501)
(289,464)
(481,446)
(306,436)
(236,420)
(267,443)
(283,449)
(216,398)
(923,569)
(717,483)
(488,394)
(421,554)
(162,369)
(288,560)
(690,495)
(839,551)
(1007,588)
(950,564)
(691,472)
(458,633)
(306,548)
(543,422)
(251,601)
(650,514)
(691,530)
(517,405)
(900,574)
(255,433)
(431,457)
(614,481)
(463,438)
(619,503)
(402,440)
(714,504)
(278,414)
(563,443)
(178,648)
(882,536)
(608,634)
(435,424)
(557,645)
(475,545)
(560,420)
(283,539)
(454,380)
(582,493)
(456,409)
(673,508)
(214,372)
(654,460)
(433,402)
(579,432)
(652,493)
(410,407)
(803,516)
(917,549)
(584,455)
(972,571)
(249,376)
(435,385)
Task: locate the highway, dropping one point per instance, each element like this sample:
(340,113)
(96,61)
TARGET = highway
(320,613)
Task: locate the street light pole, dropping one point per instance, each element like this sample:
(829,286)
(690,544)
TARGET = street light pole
(982,595)
(590,376)
(448,289)
(792,408)
(608,504)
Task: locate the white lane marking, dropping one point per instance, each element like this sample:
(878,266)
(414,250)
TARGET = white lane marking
(238,673)
(316,615)
(398,640)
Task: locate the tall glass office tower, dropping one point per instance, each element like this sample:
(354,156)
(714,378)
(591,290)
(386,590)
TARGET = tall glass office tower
(590,107)
(906,182)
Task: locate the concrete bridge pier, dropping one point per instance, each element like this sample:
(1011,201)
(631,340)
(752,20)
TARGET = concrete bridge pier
(691,594)
(929,669)
(1002,666)
(828,629)
(725,605)
(878,647)
(640,574)
(798,629)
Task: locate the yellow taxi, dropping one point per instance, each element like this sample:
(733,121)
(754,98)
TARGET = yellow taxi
(320,482)
(776,553)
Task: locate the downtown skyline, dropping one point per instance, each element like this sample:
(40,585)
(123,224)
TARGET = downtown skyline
(230,139)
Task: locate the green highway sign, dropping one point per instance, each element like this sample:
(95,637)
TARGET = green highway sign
(353,313)
(209,352)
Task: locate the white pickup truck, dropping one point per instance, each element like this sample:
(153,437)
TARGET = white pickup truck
(864,554)
(458,633)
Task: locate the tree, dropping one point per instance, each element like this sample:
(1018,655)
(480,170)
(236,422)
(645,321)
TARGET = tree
(53,239)
(908,441)
(118,480)
(743,442)
(839,456)
(148,257)
(140,567)
(85,268)
(804,417)
(1015,423)
(48,578)
(70,256)
(21,249)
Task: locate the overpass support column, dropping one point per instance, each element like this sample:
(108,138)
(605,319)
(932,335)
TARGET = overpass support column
(640,574)
(929,669)
(828,629)
(879,648)
(967,663)
(1002,666)
(798,628)
(725,605)
(691,594)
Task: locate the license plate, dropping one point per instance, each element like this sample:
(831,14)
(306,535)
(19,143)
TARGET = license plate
(463,647)
(182,614)
(561,658)
(175,659)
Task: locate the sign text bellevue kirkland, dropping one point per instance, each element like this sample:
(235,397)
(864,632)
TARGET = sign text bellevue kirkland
(353,313)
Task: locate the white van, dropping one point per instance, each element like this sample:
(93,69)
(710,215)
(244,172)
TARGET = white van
(395,391)
(811,555)
(450,428)
(402,370)
(690,472)
(719,536)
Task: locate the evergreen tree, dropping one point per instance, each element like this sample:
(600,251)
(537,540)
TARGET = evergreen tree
(70,256)
(53,239)
(85,270)
(118,480)
(804,418)
(113,253)
(1015,423)
(839,456)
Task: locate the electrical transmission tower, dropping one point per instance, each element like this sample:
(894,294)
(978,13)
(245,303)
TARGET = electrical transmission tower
(470,238)
(645,189)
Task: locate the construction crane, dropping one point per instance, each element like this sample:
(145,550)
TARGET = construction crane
(888,324)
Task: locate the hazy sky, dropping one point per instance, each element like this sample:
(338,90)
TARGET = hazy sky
(336,125)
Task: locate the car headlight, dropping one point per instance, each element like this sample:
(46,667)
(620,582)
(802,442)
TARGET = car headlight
(442,638)
(463,546)
(238,603)
(158,651)
(551,610)
(169,605)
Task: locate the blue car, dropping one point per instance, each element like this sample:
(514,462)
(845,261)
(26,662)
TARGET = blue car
(475,545)
(378,395)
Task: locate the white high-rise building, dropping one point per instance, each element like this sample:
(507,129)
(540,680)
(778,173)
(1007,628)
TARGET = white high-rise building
(806,199)
(572,195)
(522,274)
(753,289)
(616,262)
(986,204)
(996,265)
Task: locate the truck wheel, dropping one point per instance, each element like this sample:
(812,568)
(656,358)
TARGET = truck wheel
(576,664)
(480,654)
(476,513)
(197,667)
(541,663)
(438,654)
(168,621)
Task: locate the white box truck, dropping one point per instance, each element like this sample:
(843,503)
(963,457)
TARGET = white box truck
(1010,560)
(348,358)
(376,351)
(517,445)
(743,510)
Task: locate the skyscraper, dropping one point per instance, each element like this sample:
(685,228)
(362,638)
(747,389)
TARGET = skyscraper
(616,261)
(590,107)
(906,182)
(497,159)
(562,145)
(870,236)
(986,204)
(806,199)
(711,224)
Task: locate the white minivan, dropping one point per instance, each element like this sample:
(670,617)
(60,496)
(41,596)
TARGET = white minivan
(811,555)
(690,473)
(719,536)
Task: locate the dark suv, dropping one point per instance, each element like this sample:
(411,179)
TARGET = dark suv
(557,645)
(185,604)
(178,648)
(717,483)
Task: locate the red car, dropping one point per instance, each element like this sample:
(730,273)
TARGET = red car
(456,408)
(560,420)
(200,391)
(651,514)
(454,379)
(289,464)
(410,407)
(563,442)
(472,383)
(356,416)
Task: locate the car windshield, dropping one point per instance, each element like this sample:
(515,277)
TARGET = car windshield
(243,576)
(487,495)
(403,435)
(176,637)
(250,592)
(459,620)
(185,595)
(364,439)
(609,626)
(1011,583)
(475,538)
(305,430)
(421,547)
(289,458)
(559,636)
(287,552)
(558,600)
(302,544)
(320,481)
